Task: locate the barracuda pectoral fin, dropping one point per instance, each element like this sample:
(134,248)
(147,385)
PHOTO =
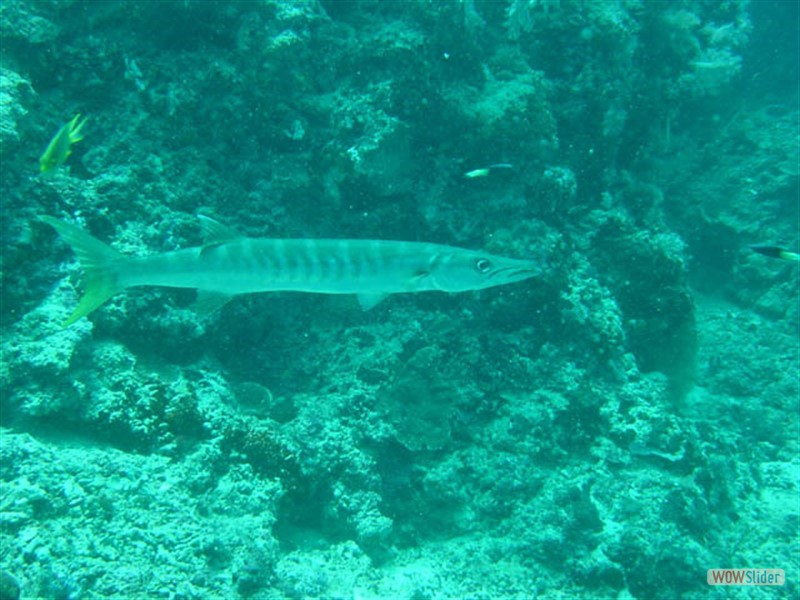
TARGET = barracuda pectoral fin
(368,301)
(209,302)
(417,280)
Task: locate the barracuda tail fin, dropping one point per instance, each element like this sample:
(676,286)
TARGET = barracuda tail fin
(101,262)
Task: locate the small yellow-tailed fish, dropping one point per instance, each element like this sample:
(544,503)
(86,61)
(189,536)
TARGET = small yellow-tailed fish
(486,171)
(60,147)
(777,252)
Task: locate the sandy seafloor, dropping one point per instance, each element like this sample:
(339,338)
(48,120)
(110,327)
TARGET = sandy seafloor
(611,429)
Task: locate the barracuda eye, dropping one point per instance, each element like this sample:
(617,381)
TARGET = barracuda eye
(483,265)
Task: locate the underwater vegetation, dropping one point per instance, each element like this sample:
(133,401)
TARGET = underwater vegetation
(610,427)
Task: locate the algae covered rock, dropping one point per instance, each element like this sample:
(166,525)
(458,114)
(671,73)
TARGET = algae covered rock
(420,401)
(9,586)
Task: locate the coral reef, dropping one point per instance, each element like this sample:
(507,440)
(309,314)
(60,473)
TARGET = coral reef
(612,428)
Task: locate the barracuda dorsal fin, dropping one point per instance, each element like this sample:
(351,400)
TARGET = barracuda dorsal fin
(216,233)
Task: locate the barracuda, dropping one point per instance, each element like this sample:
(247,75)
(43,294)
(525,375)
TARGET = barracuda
(229,264)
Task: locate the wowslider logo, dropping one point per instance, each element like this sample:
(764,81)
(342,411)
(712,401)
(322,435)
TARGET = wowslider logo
(745,577)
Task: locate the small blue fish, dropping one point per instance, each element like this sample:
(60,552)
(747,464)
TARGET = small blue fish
(486,171)
(776,252)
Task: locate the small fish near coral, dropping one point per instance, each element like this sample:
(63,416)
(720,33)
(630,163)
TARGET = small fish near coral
(60,147)
(776,252)
(229,264)
(490,170)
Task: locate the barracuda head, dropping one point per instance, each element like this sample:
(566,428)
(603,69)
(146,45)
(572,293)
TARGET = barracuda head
(464,270)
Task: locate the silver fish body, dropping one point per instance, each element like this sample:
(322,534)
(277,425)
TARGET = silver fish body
(325,267)
(371,269)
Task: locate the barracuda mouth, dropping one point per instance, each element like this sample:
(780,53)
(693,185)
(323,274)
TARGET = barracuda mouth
(515,272)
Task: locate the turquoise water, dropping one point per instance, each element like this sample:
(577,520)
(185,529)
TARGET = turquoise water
(612,428)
